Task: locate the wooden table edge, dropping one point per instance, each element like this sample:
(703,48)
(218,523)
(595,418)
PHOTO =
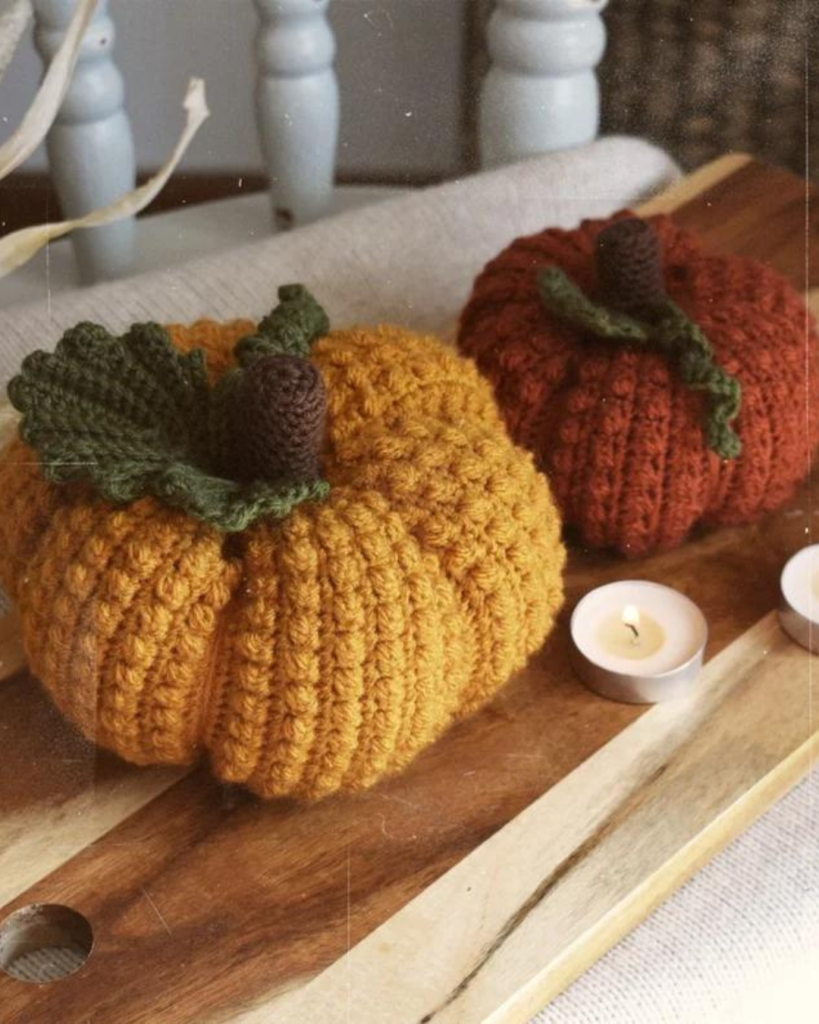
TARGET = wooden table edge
(694,184)
(674,873)
(384,952)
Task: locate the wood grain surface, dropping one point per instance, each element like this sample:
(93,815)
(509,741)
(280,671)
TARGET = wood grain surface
(12,658)
(506,859)
(512,924)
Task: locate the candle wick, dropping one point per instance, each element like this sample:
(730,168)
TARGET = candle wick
(634,630)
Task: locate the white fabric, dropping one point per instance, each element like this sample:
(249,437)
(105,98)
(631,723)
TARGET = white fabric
(409,260)
(740,943)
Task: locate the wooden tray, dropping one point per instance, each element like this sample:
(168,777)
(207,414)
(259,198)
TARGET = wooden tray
(508,858)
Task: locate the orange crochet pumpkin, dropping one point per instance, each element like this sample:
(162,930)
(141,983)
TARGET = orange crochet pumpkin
(310,648)
(660,385)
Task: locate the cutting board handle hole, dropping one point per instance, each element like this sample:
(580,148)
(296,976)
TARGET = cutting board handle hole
(44,942)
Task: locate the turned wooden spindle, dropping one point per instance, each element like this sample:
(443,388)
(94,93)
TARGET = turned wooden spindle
(90,145)
(297,107)
(541,91)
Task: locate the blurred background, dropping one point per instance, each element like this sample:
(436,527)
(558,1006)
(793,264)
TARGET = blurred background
(698,78)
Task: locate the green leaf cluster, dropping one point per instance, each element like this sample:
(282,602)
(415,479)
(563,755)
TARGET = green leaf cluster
(135,417)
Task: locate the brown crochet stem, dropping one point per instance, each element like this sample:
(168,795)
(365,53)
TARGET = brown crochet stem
(281,412)
(630,268)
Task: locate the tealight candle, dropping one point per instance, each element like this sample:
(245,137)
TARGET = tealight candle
(638,642)
(799,608)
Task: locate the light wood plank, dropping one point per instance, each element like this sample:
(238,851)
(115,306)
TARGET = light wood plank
(36,840)
(519,918)
(695,184)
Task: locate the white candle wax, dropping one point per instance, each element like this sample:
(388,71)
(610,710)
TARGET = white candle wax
(631,634)
(638,642)
(799,611)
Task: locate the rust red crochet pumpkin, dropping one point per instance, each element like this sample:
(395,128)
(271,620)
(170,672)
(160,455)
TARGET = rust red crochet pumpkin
(621,428)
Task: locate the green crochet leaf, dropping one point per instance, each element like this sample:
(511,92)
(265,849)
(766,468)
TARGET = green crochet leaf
(671,332)
(562,296)
(134,416)
(698,369)
(113,410)
(290,329)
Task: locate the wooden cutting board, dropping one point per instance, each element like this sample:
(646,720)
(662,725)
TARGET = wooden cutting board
(509,857)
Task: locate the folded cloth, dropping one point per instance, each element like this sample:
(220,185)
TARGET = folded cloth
(409,260)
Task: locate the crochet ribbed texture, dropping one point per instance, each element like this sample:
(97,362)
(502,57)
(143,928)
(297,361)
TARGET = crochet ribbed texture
(620,432)
(320,652)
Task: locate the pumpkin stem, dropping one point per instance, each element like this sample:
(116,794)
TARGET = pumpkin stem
(630,268)
(270,413)
(280,418)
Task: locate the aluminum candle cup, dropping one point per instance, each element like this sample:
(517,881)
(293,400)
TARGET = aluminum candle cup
(638,642)
(799,607)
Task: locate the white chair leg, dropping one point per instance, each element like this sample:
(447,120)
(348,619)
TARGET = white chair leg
(90,145)
(541,92)
(297,106)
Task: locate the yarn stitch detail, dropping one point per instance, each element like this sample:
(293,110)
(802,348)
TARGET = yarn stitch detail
(317,653)
(619,434)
